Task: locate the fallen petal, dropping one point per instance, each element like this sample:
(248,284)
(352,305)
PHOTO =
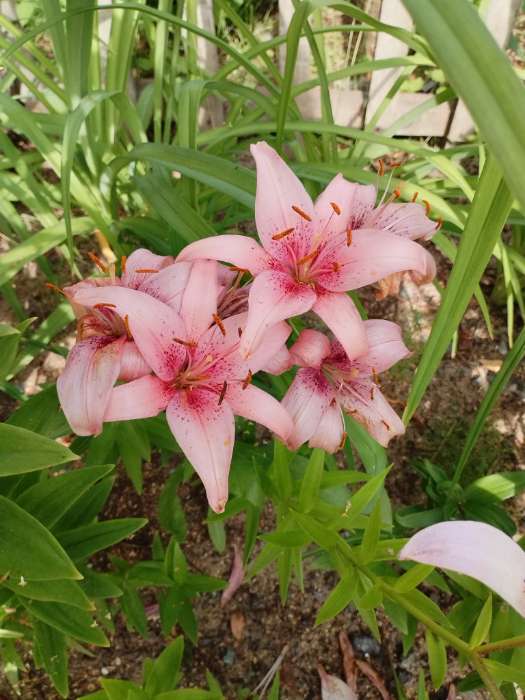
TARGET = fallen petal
(333,688)
(236,577)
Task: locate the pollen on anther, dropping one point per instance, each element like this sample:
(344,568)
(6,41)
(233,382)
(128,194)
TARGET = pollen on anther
(104,304)
(239,331)
(439,223)
(283,234)
(223,392)
(336,208)
(123,260)
(146,270)
(310,257)
(385,424)
(343,440)
(427,206)
(301,213)
(415,196)
(218,321)
(247,380)
(372,393)
(381,168)
(397,193)
(98,262)
(348,236)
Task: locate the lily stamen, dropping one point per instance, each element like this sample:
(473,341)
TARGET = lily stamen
(146,270)
(218,321)
(98,262)
(336,208)
(247,380)
(123,260)
(301,213)
(348,237)
(283,234)
(128,330)
(427,206)
(414,196)
(52,286)
(223,392)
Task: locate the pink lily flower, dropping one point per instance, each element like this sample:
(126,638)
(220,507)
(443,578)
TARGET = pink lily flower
(329,383)
(312,254)
(104,351)
(199,377)
(474,549)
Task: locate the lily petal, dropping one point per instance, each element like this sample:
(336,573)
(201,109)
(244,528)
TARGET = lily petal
(205,432)
(409,220)
(272,348)
(168,284)
(474,549)
(142,259)
(385,346)
(132,364)
(330,431)
(353,203)
(307,399)
(154,326)
(274,296)
(310,348)
(278,190)
(241,251)
(85,385)
(255,404)
(199,301)
(376,415)
(142,398)
(279,363)
(341,316)
(373,255)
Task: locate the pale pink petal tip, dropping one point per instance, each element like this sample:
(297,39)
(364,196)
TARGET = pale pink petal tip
(333,688)
(477,550)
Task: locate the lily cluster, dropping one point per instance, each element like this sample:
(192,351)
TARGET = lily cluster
(187,335)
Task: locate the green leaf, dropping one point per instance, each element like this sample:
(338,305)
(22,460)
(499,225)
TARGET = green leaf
(371,535)
(171,513)
(373,455)
(52,650)
(79,625)
(437,658)
(503,673)
(43,558)
(41,414)
(62,591)
(341,596)
(483,77)
(22,451)
(9,342)
(496,486)
(166,669)
(117,689)
(483,623)
(49,500)
(311,481)
(287,538)
(413,577)
(363,496)
(319,533)
(85,541)
(487,216)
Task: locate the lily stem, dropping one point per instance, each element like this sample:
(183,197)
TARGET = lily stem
(501,645)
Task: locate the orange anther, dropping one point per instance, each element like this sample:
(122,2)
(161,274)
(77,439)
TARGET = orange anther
(375,376)
(414,196)
(220,324)
(427,206)
(381,168)
(301,213)
(123,260)
(223,392)
(283,234)
(187,343)
(336,207)
(310,257)
(343,440)
(52,286)
(145,270)
(348,236)
(397,193)
(247,380)
(372,394)
(98,262)
(103,304)
(439,223)
(386,424)
(234,268)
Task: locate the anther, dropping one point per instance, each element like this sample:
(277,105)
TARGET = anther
(52,286)
(427,206)
(239,331)
(283,234)
(375,375)
(247,380)
(372,393)
(397,193)
(219,323)
(385,424)
(301,213)
(336,208)
(146,270)
(126,324)
(439,223)
(234,268)
(123,260)
(381,168)
(223,392)
(98,262)
(187,343)
(348,236)
(343,438)
(414,196)
(103,305)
